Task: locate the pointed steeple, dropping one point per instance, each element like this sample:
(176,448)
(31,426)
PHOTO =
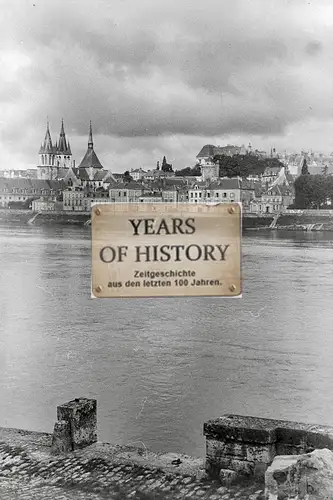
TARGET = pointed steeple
(46,146)
(62,144)
(90,140)
(90,159)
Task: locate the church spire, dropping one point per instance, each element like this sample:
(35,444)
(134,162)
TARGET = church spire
(90,140)
(46,146)
(62,144)
(90,159)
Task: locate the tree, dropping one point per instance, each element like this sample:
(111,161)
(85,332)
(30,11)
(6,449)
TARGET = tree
(127,177)
(166,167)
(312,191)
(244,165)
(189,172)
(324,170)
(305,170)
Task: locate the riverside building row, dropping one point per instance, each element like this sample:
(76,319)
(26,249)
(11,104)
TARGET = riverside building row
(62,186)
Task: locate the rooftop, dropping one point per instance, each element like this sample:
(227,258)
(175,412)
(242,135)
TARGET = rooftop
(90,159)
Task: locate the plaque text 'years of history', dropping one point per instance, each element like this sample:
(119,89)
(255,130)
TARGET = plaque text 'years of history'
(161,250)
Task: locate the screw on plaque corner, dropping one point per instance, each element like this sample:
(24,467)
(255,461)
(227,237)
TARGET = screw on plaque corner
(232,288)
(98,289)
(97,211)
(231,210)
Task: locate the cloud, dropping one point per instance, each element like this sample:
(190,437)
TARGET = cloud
(165,77)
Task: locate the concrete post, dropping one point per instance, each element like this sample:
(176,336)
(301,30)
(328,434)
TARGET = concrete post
(76,427)
(61,439)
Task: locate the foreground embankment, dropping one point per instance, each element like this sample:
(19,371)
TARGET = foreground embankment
(71,464)
(246,458)
(293,220)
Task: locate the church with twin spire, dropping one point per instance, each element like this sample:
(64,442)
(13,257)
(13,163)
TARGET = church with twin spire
(56,161)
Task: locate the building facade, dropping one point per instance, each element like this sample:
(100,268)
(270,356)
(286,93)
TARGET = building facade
(22,192)
(222,191)
(53,157)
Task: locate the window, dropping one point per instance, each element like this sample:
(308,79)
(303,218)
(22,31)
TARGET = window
(208,195)
(224,195)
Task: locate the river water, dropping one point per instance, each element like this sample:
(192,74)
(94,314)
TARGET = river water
(160,368)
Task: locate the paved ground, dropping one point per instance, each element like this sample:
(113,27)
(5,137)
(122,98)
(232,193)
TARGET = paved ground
(101,472)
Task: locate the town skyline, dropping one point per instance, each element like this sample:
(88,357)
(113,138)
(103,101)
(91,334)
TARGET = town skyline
(81,142)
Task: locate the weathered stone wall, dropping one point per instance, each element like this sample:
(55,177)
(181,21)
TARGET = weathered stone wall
(248,445)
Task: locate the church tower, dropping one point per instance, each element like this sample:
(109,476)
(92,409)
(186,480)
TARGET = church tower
(46,169)
(63,150)
(90,159)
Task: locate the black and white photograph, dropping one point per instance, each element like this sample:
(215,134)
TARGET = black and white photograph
(166,250)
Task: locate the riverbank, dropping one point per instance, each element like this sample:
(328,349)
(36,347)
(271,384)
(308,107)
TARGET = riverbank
(297,220)
(28,470)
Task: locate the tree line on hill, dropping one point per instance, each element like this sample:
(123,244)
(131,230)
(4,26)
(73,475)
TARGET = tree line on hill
(313,191)
(244,165)
(235,166)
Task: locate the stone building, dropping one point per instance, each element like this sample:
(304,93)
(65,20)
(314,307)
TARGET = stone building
(125,192)
(137,174)
(208,152)
(53,157)
(22,192)
(273,200)
(86,181)
(224,190)
(151,198)
(210,171)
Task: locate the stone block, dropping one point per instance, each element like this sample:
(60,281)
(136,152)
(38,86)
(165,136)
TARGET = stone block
(276,476)
(82,416)
(228,477)
(245,451)
(284,449)
(260,453)
(319,439)
(242,429)
(216,449)
(220,455)
(62,438)
(307,476)
(291,436)
(242,467)
(240,440)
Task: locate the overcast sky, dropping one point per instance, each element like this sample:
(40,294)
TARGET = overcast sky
(164,77)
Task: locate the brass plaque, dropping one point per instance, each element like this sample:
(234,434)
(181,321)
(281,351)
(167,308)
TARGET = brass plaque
(164,250)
